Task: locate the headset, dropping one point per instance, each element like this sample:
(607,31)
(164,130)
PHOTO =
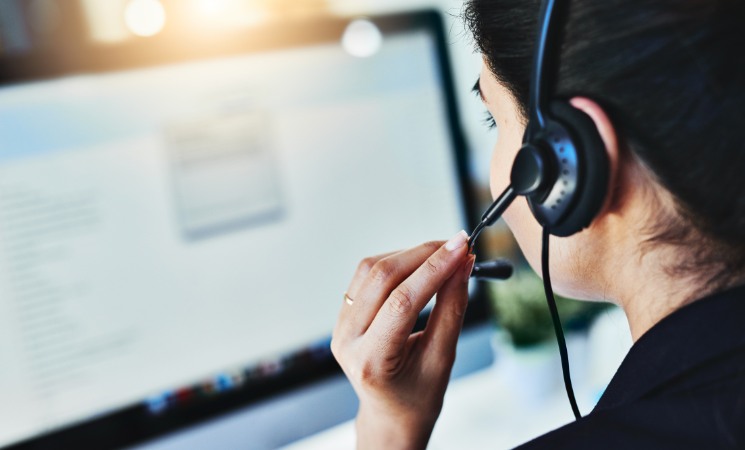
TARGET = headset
(562,167)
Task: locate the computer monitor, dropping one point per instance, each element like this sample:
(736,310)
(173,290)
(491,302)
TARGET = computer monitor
(178,223)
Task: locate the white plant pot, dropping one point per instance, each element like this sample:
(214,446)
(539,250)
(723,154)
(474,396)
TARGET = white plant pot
(533,374)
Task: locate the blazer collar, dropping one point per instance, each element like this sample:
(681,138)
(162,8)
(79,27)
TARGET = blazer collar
(685,339)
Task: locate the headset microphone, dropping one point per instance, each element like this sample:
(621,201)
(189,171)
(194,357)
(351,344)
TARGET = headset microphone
(561,169)
(499,269)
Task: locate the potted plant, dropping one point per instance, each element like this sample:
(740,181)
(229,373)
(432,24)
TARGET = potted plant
(525,345)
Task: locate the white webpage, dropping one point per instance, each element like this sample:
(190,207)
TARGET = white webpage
(160,225)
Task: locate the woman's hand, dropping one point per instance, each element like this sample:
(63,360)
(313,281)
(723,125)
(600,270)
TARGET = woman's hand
(400,378)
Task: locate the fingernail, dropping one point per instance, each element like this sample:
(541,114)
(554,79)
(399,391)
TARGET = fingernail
(457,241)
(469,268)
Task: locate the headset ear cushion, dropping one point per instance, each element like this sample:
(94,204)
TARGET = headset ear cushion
(593,177)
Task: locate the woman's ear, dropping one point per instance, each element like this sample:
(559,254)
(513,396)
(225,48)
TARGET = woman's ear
(610,138)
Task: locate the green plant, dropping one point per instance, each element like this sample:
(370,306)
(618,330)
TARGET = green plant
(520,308)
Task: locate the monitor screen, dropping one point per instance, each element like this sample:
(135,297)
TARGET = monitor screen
(167,229)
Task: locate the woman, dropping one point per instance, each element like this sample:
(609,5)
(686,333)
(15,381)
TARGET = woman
(664,83)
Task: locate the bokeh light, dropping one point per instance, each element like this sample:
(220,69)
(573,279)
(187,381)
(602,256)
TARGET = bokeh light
(362,38)
(145,17)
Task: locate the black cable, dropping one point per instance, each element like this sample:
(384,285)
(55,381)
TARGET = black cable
(557,325)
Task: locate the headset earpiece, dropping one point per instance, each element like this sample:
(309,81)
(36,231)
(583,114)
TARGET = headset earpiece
(579,181)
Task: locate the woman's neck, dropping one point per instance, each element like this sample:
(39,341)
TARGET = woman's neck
(648,292)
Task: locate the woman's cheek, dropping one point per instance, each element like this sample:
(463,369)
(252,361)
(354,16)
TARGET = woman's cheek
(526,230)
(499,176)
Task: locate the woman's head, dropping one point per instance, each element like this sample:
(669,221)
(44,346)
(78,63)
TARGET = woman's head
(668,80)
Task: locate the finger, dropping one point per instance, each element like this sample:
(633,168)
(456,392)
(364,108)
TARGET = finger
(392,325)
(363,268)
(384,276)
(446,320)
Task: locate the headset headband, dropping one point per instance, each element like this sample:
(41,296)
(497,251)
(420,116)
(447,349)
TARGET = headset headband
(545,66)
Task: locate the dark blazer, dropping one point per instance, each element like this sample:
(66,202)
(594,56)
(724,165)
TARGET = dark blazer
(681,386)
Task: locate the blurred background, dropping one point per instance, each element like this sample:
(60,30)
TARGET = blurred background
(186,187)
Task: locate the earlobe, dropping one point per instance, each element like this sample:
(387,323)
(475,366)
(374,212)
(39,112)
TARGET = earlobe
(607,132)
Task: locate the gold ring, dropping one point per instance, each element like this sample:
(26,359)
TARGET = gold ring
(348,299)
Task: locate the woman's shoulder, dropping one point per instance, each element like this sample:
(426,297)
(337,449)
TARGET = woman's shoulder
(682,385)
(705,417)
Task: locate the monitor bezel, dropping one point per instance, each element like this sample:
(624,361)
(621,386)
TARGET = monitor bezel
(136,424)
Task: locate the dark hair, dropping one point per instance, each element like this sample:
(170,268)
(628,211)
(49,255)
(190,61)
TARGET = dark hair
(671,76)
